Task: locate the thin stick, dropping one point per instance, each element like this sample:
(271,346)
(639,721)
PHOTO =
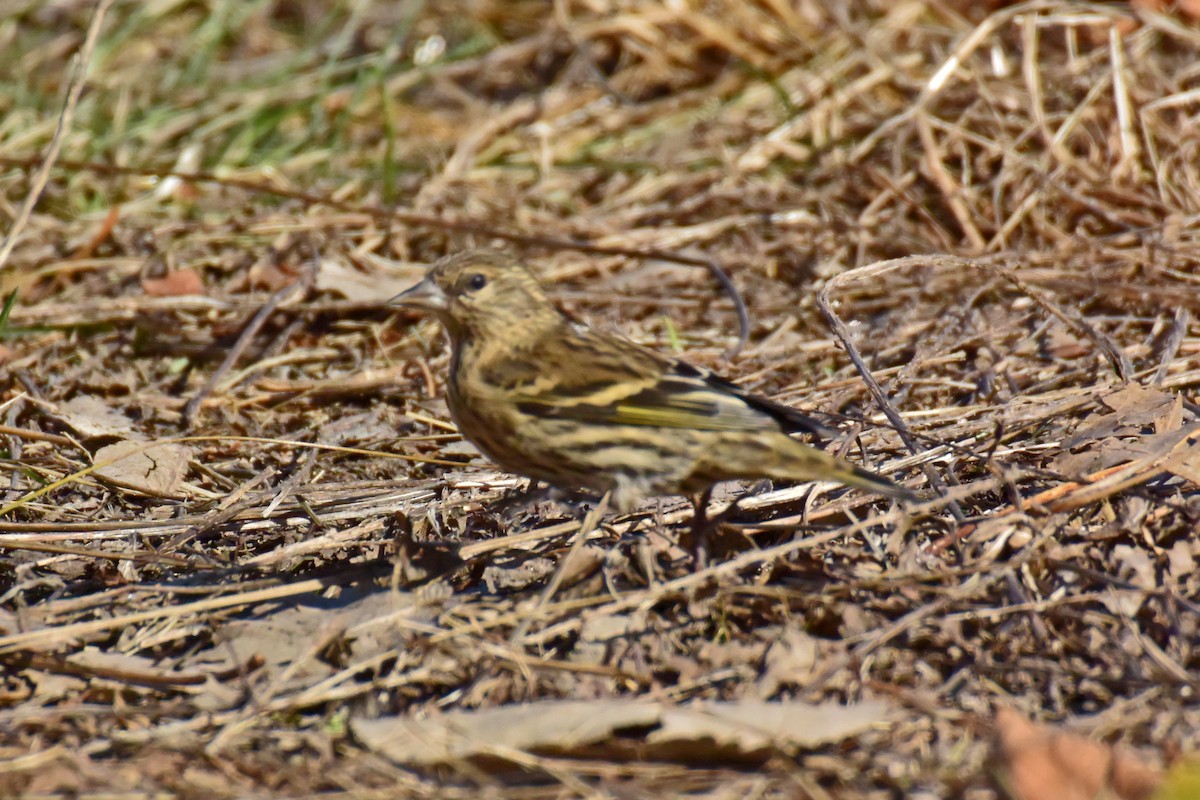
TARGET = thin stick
(843,334)
(300,285)
(1179,327)
(1075,321)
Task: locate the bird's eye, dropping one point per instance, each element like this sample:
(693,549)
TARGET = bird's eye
(476,282)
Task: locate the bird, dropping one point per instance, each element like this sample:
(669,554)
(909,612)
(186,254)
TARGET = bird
(547,397)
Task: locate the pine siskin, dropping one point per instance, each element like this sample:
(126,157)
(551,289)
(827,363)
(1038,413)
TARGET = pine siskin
(546,397)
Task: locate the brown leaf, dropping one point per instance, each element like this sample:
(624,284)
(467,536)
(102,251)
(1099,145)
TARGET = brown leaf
(50,686)
(109,661)
(750,726)
(90,417)
(9,622)
(698,733)
(1063,344)
(1136,567)
(174,284)
(1139,405)
(790,660)
(1042,763)
(1133,566)
(1107,440)
(361,287)
(268,275)
(1181,560)
(1171,417)
(152,469)
(377,425)
(562,725)
(1187,467)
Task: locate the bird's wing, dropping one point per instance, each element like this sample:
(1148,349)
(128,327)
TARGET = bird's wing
(788,418)
(607,380)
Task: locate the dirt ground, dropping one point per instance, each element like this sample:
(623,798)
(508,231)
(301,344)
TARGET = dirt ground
(243,552)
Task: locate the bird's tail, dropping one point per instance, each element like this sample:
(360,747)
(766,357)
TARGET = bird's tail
(799,462)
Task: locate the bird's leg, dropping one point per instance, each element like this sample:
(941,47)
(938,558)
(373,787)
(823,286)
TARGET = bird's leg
(701,527)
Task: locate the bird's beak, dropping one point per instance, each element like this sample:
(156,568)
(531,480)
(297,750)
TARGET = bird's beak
(426,294)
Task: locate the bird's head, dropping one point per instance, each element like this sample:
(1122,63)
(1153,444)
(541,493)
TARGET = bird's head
(481,293)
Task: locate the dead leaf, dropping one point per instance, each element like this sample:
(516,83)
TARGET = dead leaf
(1171,418)
(108,661)
(460,448)
(174,284)
(700,733)
(1181,560)
(598,634)
(90,417)
(1061,343)
(1041,763)
(789,661)
(9,622)
(218,695)
(1110,439)
(753,726)
(287,636)
(1187,466)
(152,469)
(560,724)
(361,287)
(266,274)
(377,425)
(52,686)
(1133,566)
(1139,405)
(1109,442)
(1136,567)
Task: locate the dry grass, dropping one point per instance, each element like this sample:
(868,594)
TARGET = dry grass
(330,555)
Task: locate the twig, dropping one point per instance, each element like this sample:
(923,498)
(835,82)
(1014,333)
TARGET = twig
(1120,362)
(843,334)
(154,679)
(248,333)
(7,544)
(1179,327)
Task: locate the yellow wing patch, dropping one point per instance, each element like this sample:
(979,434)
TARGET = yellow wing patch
(672,403)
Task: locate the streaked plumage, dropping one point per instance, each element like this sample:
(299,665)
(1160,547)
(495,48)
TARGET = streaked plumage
(545,396)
